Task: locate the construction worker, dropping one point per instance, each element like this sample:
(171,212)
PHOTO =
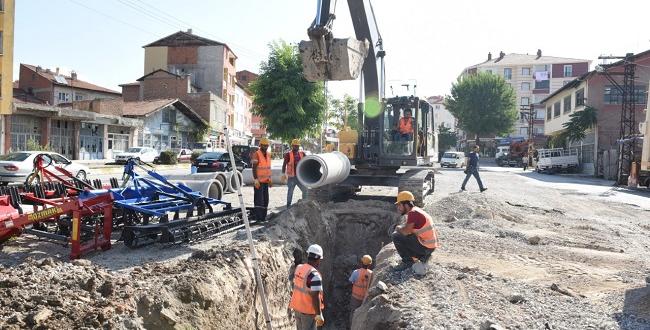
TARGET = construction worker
(262,174)
(415,239)
(360,280)
(307,296)
(405,127)
(289,166)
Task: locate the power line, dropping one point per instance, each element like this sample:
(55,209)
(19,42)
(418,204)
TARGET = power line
(111,17)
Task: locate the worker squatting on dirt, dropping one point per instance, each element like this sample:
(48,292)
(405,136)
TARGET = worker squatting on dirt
(307,295)
(262,174)
(289,166)
(415,239)
(360,280)
(472,169)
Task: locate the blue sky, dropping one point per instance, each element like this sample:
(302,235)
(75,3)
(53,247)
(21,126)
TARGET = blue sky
(428,41)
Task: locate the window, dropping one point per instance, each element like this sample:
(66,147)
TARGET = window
(525,86)
(539,114)
(78,97)
(567,104)
(168,116)
(2,5)
(525,71)
(568,70)
(64,97)
(556,109)
(548,113)
(538,130)
(580,97)
(1,48)
(613,95)
(437,106)
(525,101)
(523,131)
(542,84)
(507,73)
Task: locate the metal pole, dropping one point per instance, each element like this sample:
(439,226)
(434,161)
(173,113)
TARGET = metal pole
(256,266)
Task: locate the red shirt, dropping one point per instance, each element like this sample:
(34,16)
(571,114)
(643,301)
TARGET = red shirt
(417,219)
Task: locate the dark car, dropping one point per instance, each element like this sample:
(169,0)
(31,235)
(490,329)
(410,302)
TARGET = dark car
(244,152)
(217,161)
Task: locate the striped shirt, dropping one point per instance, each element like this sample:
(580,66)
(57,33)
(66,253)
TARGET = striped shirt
(314,281)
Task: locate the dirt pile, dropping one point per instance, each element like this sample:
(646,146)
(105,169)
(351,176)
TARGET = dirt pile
(514,266)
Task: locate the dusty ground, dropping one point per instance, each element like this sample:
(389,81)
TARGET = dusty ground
(533,252)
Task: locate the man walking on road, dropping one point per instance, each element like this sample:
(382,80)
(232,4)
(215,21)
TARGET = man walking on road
(262,174)
(416,239)
(289,167)
(307,295)
(472,169)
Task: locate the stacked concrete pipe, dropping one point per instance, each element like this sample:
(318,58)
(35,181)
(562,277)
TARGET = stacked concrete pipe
(276,176)
(212,189)
(322,169)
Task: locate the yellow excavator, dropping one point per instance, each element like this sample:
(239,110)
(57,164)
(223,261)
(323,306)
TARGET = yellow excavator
(397,143)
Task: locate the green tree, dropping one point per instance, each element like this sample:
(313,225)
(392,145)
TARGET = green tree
(484,104)
(289,105)
(446,138)
(344,112)
(580,121)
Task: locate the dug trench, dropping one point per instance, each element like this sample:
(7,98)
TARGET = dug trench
(213,288)
(346,231)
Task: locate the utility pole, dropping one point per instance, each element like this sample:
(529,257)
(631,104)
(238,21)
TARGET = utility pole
(528,111)
(628,120)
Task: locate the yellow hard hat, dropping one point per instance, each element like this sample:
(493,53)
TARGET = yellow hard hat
(366,260)
(404,196)
(264,141)
(295,142)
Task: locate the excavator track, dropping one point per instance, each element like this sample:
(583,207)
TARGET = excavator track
(420,182)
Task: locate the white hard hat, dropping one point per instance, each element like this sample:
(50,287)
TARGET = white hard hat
(315,249)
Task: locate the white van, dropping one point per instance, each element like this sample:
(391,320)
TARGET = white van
(453,159)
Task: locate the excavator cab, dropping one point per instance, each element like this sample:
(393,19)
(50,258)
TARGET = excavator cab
(408,132)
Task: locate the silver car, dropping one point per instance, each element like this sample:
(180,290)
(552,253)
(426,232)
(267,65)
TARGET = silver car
(144,154)
(15,167)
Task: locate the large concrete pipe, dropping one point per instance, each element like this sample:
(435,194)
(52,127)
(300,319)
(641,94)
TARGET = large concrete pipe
(322,169)
(212,189)
(222,177)
(276,176)
(234,180)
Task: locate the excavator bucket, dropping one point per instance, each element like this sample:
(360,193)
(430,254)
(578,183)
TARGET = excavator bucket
(344,61)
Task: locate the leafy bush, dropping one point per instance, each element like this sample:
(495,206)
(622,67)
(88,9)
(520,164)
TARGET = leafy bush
(33,145)
(195,155)
(168,157)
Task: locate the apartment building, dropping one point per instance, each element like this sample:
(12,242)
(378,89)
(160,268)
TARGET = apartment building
(533,78)
(594,89)
(442,116)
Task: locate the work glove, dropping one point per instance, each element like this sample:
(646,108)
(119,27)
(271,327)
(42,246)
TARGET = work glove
(284,179)
(257,184)
(320,320)
(270,183)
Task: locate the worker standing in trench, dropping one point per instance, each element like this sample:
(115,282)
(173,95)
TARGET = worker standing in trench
(307,295)
(262,174)
(360,280)
(416,239)
(289,167)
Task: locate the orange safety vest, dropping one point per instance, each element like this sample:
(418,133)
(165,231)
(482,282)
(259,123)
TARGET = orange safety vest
(291,169)
(427,234)
(360,286)
(263,167)
(406,125)
(301,300)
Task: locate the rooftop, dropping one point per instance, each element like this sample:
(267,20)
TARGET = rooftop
(63,80)
(184,39)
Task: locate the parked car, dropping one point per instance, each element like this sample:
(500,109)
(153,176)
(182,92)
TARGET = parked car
(244,152)
(182,155)
(453,159)
(217,161)
(144,154)
(15,167)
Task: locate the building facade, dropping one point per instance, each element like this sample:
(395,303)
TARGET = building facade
(245,78)
(242,116)
(442,116)
(533,78)
(593,89)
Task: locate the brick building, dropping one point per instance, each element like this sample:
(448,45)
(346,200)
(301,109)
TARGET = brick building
(593,89)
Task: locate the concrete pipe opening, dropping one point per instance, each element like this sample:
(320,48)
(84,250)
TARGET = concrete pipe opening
(322,169)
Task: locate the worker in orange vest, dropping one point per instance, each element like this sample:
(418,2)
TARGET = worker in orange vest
(360,280)
(405,127)
(415,239)
(261,162)
(307,295)
(289,167)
